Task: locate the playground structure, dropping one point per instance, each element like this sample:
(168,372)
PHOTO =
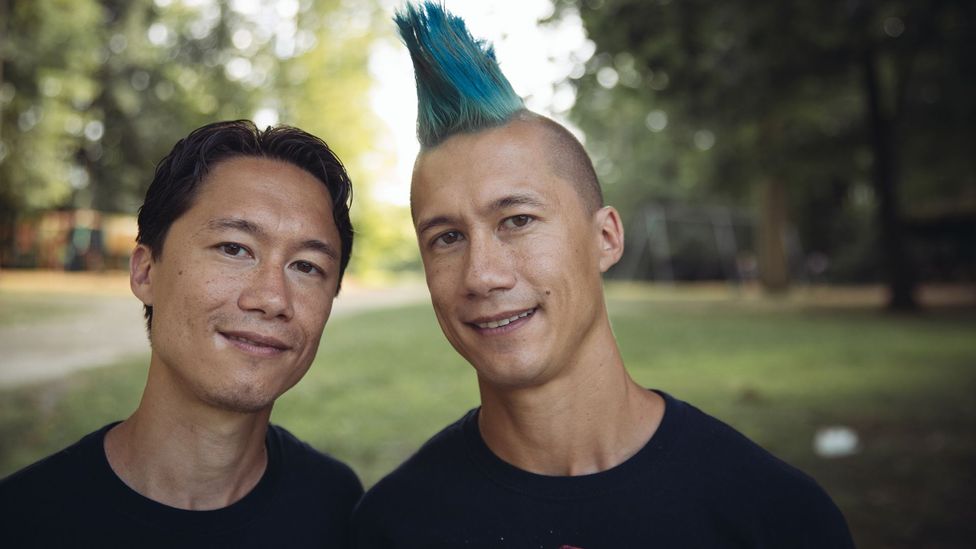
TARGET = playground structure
(679,242)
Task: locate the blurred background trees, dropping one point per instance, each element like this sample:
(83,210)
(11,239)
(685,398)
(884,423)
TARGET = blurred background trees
(851,121)
(820,141)
(94,92)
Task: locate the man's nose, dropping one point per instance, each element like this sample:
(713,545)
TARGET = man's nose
(489,266)
(267,292)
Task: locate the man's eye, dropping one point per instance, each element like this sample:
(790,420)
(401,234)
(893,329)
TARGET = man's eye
(517,221)
(306,267)
(231,249)
(448,238)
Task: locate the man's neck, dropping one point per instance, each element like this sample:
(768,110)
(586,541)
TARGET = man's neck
(588,421)
(187,455)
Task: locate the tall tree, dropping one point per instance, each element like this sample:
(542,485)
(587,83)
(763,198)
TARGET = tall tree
(777,98)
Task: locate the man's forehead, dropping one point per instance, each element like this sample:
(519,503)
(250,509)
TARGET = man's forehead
(516,132)
(507,154)
(505,151)
(262,193)
(235,179)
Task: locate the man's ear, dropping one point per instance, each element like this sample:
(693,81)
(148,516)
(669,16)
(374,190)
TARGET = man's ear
(611,229)
(140,273)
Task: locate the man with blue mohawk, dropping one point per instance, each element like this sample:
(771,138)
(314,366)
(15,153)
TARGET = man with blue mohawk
(566,450)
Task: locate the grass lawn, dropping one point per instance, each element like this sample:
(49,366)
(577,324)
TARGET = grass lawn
(385,381)
(16,307)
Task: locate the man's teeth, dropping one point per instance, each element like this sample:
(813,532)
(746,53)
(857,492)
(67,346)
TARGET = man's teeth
(504,321)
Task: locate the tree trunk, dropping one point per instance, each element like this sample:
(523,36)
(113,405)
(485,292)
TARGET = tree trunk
(773,267)
(899,272)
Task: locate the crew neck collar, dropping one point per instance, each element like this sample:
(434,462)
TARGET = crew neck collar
(648,461)
(148,511)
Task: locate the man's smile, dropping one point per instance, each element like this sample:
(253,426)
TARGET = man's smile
(493,323)
(255,344)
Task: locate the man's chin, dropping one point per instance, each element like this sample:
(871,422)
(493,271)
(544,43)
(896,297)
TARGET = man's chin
(511,376)
(241,402)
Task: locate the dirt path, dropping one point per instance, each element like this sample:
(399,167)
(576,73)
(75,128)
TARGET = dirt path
(105,324)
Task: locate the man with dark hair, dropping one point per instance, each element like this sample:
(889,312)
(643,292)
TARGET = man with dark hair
(243,240)
(566,449)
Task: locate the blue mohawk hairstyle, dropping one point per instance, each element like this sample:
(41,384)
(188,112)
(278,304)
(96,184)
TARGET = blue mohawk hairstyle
(460,87)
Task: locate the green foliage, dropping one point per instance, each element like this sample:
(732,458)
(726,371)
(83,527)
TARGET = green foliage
(385,381)
(47,60)
(94,92)
(699,101)
(736,100)
(392,244)
(324,90)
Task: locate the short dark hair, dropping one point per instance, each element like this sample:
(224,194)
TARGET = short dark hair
(179,174)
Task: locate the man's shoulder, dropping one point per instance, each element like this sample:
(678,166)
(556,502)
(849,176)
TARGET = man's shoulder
(442,459)
(302,453)
(737,474)
(305,464)
(51,471)
(718,449)
(52,490)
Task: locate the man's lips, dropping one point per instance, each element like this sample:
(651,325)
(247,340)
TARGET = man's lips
(255,343)
(501,320)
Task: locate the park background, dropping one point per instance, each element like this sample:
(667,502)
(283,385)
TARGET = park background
(797,181)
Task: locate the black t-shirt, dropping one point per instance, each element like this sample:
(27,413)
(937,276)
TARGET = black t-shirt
(697,483)
(74,499)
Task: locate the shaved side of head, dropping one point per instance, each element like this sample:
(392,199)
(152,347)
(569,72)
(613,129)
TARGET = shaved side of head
(568,160)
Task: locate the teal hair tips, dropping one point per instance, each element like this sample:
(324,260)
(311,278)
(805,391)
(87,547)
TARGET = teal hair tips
(460,87)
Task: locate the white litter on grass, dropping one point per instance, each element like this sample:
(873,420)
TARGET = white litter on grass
(835,441)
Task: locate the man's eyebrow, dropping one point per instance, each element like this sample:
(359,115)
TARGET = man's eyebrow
(234,223)
(515,200)
(436,221)
(319,246)
(238,224)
